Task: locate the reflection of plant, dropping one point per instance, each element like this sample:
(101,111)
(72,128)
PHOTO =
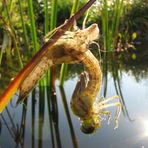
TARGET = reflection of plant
(16,131)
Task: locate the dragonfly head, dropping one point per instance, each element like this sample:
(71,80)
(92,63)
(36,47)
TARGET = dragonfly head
(90,125)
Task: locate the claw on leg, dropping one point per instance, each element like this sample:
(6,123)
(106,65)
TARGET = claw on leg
(108,114)
(103,100)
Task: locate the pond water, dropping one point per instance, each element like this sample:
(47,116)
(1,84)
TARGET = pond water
(39,122)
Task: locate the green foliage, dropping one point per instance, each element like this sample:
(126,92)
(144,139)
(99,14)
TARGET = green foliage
(33,26)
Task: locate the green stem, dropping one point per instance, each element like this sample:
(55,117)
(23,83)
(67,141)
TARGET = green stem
(12,32)
(33,27)
(75,7)
(1,55)
(64,67)
(53,19)
(46,80)
(53,22)
(46,16)
(63,73)
(24,30)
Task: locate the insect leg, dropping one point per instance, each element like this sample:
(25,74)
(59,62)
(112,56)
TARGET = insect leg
(103,101)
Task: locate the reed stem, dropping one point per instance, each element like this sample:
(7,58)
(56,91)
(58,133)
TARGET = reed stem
(13,35)
(46,17)
(53,22)
(33,27)
(64,67)
(24,30)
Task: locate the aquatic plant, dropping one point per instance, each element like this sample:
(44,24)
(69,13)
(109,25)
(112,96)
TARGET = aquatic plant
(8,24)
(64,67)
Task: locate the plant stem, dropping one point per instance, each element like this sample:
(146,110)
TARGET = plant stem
(63,73)
(46,79)
(64,67)
(33,27)
(53,21)
(24,30)
(12,32)
(46,16)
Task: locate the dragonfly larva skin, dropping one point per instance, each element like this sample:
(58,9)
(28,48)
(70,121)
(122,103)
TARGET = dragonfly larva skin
(70,48)
(36,74)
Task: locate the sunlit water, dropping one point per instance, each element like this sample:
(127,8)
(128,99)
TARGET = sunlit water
(36,128)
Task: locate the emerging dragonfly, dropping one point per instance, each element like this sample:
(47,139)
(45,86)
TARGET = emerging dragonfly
(62,50)
(72,47)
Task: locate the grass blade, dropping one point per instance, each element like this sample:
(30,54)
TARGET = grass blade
(33,27)
(46,17)
(24,29)
(13,35)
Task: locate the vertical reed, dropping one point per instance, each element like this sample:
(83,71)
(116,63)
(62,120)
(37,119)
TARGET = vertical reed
(110,25)
(46,80)
(12,33)
(24,30)
(53,22)
(32,27)
(64,67)
(110,22)
(46,17)
(33,32)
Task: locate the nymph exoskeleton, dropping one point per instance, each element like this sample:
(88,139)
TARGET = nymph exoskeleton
(70,48)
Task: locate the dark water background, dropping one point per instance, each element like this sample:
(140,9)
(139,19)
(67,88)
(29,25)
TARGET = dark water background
(38,123)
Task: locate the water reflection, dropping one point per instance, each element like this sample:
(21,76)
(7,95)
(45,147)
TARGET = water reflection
(116,73)
(16,131)
(72,132)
